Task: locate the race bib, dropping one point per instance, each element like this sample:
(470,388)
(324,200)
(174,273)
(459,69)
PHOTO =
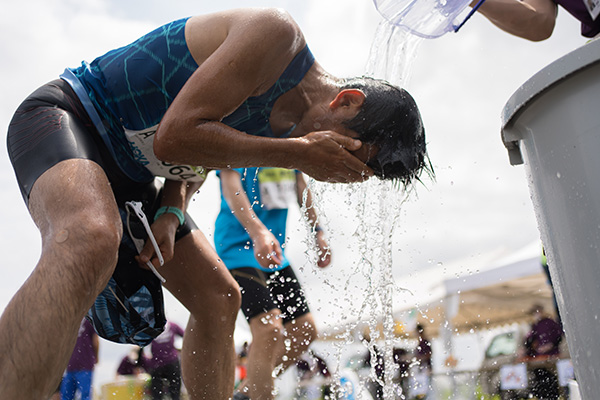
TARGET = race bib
(593,7)
(142,146)
(277,187)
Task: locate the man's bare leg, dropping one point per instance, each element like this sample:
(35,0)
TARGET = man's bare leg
(300,333)
(266,348)
(200,281)
(268,353)
(74,208)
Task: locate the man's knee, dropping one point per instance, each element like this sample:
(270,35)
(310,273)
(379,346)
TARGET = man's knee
(302,330)
(220,303)
(237,299)
(231,299)
(102,250)
(268,327)
(92,248)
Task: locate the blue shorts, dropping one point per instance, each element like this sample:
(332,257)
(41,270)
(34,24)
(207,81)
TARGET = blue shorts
(74,381)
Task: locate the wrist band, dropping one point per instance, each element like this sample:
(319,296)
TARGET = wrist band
(318,229)
(171,210)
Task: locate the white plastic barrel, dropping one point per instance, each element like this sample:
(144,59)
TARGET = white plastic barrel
(552,125)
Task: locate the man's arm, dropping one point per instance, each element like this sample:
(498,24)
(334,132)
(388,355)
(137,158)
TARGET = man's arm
(302,190)
(529,19)
(241,54)
(266,246)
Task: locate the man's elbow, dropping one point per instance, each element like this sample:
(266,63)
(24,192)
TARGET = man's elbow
(541,31)
(164,144)
(539,36)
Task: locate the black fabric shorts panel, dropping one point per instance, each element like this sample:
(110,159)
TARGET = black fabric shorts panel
(264,291)
(51,126)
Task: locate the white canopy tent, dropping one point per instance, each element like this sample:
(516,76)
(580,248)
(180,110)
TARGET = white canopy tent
(480,292)
(475,294)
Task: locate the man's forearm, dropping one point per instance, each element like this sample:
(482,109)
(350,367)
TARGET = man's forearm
(238,202)
(530,19)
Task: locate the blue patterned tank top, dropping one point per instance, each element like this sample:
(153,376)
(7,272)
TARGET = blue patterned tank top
(128,90)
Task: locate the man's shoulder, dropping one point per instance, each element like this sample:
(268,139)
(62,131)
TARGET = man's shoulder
(275,21)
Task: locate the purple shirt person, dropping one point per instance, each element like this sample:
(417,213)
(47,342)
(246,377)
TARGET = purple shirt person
(133,364)
(164,365)
(535,19)
(423,349)
(79,373)
(590,26)
(545,335)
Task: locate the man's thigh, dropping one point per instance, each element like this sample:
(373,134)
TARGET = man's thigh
(197,276)
(60,161)
(70,196)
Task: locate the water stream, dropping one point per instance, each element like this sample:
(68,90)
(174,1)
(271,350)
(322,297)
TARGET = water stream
(369,286)
(372,210)
(392,54)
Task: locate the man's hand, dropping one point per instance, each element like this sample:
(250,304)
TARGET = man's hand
(323,250)
(267,250)
(328,158)
(164,229)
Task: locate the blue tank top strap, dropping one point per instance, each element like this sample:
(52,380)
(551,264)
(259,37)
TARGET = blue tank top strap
(81,93)
(292,75)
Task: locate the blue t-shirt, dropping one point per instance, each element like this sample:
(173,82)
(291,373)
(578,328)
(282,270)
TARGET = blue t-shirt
(270,191)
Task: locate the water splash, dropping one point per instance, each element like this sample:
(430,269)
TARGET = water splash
(392,54)
(376,205)
(372,209)
(368,288)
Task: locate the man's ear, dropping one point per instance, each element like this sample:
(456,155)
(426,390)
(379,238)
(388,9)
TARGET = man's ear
(349,98)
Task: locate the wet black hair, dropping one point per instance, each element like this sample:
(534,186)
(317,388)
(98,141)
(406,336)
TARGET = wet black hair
(389,119)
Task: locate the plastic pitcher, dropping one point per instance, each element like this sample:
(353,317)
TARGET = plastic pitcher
(426,18)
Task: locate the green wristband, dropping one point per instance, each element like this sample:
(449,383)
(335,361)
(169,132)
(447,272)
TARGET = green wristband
(172,210)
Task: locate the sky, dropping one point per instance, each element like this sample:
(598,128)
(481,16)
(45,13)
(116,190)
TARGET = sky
(461,81)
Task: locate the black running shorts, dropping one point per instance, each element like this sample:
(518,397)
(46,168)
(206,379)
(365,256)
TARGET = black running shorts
(264,291)
(51,126)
